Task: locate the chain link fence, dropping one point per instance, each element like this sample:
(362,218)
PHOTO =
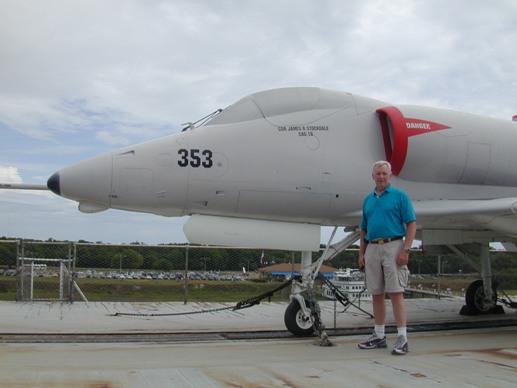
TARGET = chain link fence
(71,271)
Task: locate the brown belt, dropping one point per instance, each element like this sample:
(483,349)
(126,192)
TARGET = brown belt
(384,240)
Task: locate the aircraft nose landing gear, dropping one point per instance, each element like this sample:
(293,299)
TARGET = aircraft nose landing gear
(297,320)
(304,321)
(303,315)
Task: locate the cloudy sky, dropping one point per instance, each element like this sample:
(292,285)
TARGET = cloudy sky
(78,78)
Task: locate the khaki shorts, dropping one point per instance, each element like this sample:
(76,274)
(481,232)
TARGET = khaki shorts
(382,272)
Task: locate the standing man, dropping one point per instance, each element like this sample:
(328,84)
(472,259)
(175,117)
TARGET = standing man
(388,227)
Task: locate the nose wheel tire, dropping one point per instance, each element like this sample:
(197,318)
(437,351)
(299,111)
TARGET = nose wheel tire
(296,322)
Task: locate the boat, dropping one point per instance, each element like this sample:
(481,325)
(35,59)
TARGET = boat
(351,284)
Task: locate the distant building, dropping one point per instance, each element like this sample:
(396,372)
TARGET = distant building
(285,270)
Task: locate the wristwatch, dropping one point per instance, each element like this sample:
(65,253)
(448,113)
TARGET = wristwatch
(407,250)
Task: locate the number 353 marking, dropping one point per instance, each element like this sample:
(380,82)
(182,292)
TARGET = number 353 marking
(195,158)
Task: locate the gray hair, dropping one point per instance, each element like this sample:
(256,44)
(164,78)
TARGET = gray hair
(381,163)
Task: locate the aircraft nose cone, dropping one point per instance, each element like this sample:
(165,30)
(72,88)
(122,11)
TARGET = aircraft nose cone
(53,184)
(87,182)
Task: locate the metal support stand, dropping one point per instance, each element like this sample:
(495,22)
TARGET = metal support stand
(342,298)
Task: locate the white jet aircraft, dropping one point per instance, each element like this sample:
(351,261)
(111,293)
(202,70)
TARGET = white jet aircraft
(271,169)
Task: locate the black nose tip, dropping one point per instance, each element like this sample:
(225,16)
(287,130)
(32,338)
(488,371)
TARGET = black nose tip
(53,184)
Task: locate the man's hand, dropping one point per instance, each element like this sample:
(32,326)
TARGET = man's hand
(403,258)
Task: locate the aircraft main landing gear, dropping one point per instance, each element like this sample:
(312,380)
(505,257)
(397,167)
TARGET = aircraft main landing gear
(481,295)
(476,301)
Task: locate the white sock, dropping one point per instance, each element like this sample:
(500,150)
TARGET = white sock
(379,331)
(402,331)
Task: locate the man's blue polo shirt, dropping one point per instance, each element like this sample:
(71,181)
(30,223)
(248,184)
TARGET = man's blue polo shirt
(386,216)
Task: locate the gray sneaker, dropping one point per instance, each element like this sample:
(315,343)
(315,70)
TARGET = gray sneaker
(374,342)
(401,346)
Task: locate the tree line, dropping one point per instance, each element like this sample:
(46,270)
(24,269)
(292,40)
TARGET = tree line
(170,257)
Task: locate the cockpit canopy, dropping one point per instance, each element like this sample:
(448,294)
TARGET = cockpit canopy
(278,102)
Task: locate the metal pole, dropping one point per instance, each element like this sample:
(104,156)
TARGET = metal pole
(19,277)
(185,278)
(335,312)
(439,276)
(32,281)
(61,275)
(73,257)
(292,264)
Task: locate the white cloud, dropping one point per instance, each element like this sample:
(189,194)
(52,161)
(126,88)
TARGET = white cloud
(109,138)
(9,175)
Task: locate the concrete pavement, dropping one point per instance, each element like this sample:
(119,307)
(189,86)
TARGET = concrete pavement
(485,357)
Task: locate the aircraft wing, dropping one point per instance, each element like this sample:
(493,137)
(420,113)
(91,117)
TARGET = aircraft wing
(452,207)
(494,217)
(498,215)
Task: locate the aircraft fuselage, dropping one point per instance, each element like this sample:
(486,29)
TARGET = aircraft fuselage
(303,155)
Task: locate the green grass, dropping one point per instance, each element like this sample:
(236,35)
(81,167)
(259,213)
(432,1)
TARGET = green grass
(135,290)
(172,291)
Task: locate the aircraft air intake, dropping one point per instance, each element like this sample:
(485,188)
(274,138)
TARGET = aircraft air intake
(444,146)
(396,130)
